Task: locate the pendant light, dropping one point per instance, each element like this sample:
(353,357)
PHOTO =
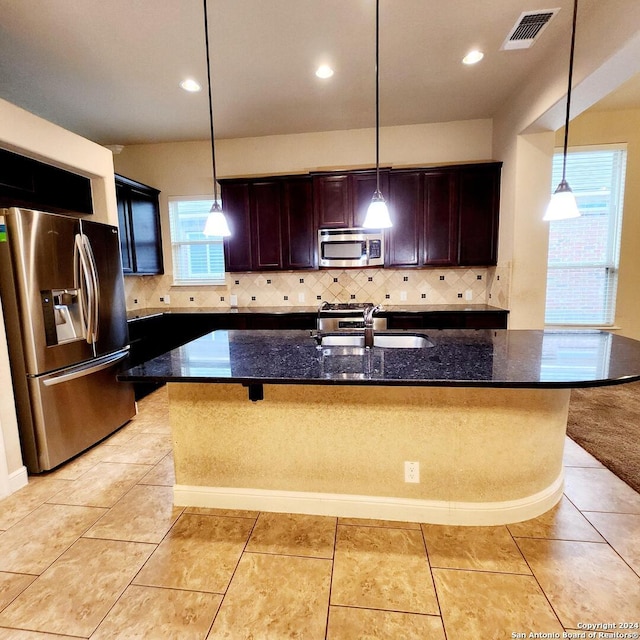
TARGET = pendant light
(377,214)
(216,224)
(563,203)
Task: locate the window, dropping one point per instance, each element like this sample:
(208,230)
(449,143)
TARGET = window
(197,259)
(584,252)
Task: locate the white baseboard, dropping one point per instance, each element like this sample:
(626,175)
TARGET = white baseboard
(18,479)
(376,507)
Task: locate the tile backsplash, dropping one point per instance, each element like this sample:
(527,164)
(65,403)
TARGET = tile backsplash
(308,288)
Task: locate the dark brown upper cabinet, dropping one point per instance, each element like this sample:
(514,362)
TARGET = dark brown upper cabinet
(363,186)
(25,182)
(341,200)
(423,210)
(139,224)
(440,231)
(332,201)
(265,203)
(271,223)
(299,244)
(442,216)
(404,242)
(237,247)
(479,204)
(446,216)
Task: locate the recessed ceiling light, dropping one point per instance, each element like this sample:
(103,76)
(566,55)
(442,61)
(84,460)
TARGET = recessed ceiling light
(324,71)
(190,85)
(473,56)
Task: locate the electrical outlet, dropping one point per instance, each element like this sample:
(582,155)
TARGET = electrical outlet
(301,297)
(411,471)
(167,299)
(468,294)
(233,300)
(403,296)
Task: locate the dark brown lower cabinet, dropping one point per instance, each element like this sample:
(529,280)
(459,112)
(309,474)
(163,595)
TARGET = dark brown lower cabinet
(449,320)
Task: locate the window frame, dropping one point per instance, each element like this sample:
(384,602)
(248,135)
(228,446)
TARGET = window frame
(210,243)
(611,264)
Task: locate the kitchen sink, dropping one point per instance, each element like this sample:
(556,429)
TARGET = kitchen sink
(384,340)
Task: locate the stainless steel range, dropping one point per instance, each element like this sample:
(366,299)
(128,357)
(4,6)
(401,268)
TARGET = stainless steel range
(347,316)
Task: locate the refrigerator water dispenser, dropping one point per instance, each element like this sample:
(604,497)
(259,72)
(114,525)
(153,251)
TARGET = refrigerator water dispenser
(61,311)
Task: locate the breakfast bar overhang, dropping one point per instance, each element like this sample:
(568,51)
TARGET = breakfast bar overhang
(275,421)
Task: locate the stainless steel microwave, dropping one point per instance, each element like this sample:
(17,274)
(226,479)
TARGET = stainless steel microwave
(342,248)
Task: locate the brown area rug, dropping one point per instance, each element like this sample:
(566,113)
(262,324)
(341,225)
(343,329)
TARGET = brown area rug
(606,422)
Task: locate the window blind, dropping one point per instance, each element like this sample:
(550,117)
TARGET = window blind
(197,259)
(584,252)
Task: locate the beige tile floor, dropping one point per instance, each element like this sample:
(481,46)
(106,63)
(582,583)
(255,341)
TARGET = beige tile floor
(96,550)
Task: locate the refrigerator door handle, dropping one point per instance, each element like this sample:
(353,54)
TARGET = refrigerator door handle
(86,369)
(84,281)
(81,283)
(95,304)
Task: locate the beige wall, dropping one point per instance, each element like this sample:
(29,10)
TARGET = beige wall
(24,133)
(607,127)
(187,165)
(525,239)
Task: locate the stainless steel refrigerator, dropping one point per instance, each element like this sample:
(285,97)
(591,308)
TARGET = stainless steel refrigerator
(62,293)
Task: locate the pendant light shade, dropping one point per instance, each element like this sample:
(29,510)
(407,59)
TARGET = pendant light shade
(563,202)
(216,224)
(377,214)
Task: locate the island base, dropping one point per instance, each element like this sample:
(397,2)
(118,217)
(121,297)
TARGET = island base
(486,456)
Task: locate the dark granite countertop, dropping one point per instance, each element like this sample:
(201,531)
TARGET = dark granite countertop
(474,358)
(134,314)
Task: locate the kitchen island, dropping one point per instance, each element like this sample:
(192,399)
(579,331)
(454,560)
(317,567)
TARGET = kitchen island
(271,420)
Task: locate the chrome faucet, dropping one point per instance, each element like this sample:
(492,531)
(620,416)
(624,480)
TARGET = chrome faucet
(367,314)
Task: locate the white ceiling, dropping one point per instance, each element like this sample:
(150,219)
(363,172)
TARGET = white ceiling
(109,70)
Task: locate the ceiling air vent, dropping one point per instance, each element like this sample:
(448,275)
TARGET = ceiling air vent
(528,27)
